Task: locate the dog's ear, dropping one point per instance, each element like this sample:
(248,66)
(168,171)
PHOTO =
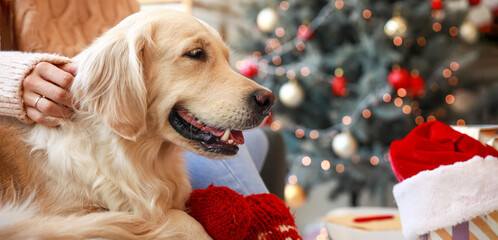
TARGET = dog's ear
(110,80)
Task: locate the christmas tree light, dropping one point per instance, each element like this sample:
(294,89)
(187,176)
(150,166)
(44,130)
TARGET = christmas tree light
(363,73)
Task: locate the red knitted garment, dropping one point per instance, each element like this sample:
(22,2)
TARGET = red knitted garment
(227,215)
(224,213)
(271,219)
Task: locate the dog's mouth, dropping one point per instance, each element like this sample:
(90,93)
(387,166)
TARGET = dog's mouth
(211,139)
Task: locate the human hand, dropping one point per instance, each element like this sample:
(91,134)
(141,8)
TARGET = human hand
(45,92)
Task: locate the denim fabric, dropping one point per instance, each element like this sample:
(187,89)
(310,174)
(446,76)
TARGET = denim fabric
(240,173)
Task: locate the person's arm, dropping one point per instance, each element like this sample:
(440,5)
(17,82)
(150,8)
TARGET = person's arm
(24,77)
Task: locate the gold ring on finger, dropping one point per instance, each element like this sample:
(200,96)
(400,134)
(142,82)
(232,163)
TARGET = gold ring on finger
(37,100)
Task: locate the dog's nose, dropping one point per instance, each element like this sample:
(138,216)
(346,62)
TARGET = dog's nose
(263,100)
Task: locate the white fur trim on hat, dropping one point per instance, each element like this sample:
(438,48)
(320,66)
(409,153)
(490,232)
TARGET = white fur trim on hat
(447,195)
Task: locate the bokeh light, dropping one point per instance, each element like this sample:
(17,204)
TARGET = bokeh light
(366,113)
(305,71)
(453,31)
(398,41)
(387,97)
(340,168)
(306,161)
(454,66)
(367,14)
(436,27)
(339,4)
(453,81)
(419,120)
(280,32)
(402,92)
(299,133)
(276,125)
(314,134)
(447,73)
(280,71)
(290,74)
(325,165)
(450,99)
(374,160)
(284,5)
(398,102)
(292,179)
(346,120)
(421,41)
(407,109)
(277,60)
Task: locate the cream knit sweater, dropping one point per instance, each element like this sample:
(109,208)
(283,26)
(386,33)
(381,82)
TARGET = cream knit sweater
(52,26)
(14,67)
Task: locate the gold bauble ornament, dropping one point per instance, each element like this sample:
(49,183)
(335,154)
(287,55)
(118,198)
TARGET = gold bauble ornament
(344,144)
(267,20)
(295,195)
(291,94)
(469,32)
(396,26)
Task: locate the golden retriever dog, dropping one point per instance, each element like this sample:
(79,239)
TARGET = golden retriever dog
(155,84)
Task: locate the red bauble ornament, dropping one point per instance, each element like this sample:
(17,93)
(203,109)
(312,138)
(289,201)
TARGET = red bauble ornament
(399,78)
(305,33)
(474,2)
(485,28)
(417,86)
(437,4)
(249,68)
(339,86)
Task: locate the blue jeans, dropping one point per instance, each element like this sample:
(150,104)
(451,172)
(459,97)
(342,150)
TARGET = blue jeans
(240,173)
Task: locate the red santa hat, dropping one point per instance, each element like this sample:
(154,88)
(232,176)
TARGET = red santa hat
(445,177)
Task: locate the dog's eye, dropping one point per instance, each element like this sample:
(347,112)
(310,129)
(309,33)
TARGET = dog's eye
(196,54)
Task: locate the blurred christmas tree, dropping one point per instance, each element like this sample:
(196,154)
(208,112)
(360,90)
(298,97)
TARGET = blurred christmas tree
(351,76)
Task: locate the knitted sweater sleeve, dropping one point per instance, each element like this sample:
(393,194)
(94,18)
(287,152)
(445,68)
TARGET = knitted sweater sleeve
(14,67)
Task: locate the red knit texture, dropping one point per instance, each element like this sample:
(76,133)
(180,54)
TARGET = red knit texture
(271,219)
(224,214)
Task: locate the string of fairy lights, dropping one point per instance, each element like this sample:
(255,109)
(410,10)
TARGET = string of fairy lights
(401,97)
(398,99)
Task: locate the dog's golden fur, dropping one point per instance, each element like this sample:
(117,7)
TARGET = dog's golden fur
(115,170)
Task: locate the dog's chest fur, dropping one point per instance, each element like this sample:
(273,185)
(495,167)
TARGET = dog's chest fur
(78,170)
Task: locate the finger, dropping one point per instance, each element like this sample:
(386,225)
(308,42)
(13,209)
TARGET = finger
(30,99)
(38,117)
(46,106)
(52,109)
(54,74)
(71,68)
(53,92)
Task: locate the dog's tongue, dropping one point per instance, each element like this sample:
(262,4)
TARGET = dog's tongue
(236,136)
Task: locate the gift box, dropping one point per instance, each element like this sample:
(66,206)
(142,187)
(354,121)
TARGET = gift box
(481,227)
(448,184)
(486,134)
